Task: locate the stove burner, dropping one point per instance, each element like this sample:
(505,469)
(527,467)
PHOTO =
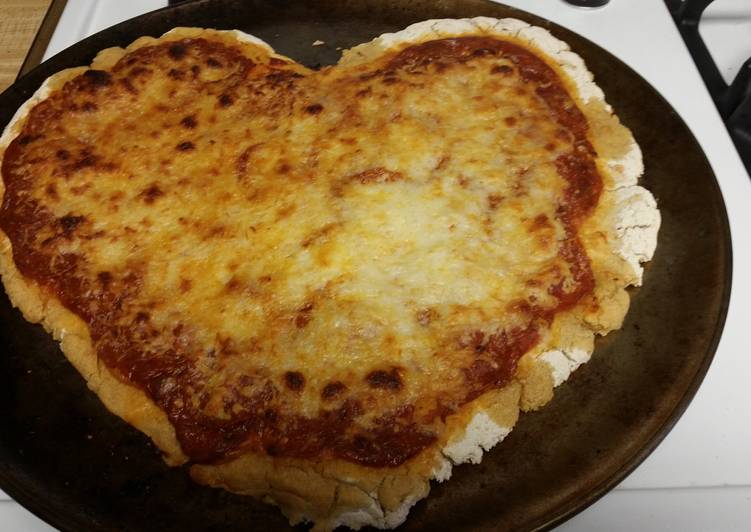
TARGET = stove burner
(733,101)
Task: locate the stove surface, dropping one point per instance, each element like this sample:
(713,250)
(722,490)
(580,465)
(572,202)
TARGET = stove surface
(699,478)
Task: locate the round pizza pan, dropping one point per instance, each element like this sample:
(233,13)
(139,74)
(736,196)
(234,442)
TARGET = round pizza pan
(65,458)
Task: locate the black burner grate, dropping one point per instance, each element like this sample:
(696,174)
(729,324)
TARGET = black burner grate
(733,101)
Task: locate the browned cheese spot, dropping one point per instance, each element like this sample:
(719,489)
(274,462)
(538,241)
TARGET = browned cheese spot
(185,285)
(494,200)
(425,316)
(142,317)
(234,285)
(225,100)
(51,191)
(85,160)
(97,78)
(80,189)
(385,380)
(69,223)
(284,168)
(189,122)
(242,161)
(501,69)
(285,210)
(376,175)
(316,234)
(332,390)
(442,162)
(177,51)
(390,80)
(304,315)
(185,146)
(314,109)
(541,221)
(510,121)
(139,71)
(128,85)
(294,380)
(105,279)
(151,193)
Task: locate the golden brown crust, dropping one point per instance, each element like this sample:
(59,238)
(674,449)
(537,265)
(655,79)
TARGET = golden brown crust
(337,492)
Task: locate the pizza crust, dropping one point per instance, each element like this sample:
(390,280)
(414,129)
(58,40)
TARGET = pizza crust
(620,236)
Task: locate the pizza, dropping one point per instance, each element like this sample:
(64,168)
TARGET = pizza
(324,289)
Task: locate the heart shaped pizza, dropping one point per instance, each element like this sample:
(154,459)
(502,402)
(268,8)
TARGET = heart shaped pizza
(325,288)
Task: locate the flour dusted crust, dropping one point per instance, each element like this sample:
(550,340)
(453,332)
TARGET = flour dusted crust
(619,236)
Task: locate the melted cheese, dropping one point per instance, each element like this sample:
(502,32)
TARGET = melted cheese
(332,224)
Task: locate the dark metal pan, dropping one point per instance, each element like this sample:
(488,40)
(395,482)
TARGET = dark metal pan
(64,457)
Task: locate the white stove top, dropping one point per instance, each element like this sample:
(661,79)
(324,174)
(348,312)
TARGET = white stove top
(699,478)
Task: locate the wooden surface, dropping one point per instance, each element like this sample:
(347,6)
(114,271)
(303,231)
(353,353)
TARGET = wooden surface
(19,22)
